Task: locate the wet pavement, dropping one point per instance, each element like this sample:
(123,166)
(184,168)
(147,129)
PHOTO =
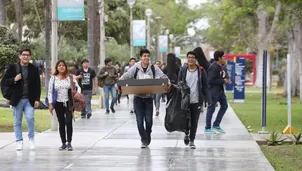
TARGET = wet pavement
(111,142)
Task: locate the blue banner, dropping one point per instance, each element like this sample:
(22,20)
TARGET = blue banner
(70,10)
(230,69)
(239,79)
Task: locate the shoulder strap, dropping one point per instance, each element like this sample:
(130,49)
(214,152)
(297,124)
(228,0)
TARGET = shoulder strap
(135,74)
(153,70)
(201,71)
(17,68)
(184,73)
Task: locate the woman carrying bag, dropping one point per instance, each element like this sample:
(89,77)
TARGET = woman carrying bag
(60,97)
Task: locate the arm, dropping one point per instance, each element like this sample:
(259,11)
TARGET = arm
(77,85)
(159,73)
(213,77)
(9,78)
(94,78)
(50,89)
(129,74)
(205,87)
(38,83)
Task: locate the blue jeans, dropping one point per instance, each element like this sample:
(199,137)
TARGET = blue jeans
(24,106)
(112,90)
(88,96)
(144,112)
(221,98)
(156,98)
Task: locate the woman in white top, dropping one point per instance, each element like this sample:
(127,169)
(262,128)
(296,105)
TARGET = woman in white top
(61,83)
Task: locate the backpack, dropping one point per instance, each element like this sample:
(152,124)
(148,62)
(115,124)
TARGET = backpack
(152,69)
(7,90)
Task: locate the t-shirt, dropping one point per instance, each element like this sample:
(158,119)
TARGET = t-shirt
(192,82)
(24,70)
(86,82)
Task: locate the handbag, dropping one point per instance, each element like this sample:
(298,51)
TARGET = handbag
(54,94)
(78,99)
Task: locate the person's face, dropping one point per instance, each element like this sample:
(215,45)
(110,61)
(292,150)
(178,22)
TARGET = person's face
(109,63)
(25,57)
(158,64)
(61,67)
(131,63)
(145,58)
(85,65)
(191,59)
(117,67)
(222,60)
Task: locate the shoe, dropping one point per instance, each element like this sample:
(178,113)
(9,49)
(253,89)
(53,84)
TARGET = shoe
(157,113)
(107,112)
(192,145)
(186,139)
(89,115)
(131,112)
(32,144)
(112,110)
(83,117)
(218,129)
(63,147)
(144,145)
(148,139)
(19,145)
(209,131)
(69,147)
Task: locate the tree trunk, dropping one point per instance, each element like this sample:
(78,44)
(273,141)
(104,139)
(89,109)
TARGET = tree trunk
(91,14)
(300,62)
(47,5)
(2,13)
(96,37)
(19,16)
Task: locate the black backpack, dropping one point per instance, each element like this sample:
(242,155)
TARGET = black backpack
(152,69)
(7,90)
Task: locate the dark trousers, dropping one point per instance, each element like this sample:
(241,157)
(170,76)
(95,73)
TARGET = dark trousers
(195,113)
(144,113)
(221,98)
(118,98)
(65,120)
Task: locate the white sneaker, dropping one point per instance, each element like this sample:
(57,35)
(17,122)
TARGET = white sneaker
(32,144)
(19,145)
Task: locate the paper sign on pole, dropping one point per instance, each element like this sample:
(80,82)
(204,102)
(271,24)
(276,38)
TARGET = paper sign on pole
(70,10)
(163,43)
(139,33)
(177,51)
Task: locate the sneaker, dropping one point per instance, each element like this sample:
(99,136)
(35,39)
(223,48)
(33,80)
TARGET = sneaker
(148,139)
(89,115)
(144,145)
(107,112)
(83,116)
(186,139)
(63,147)
(32,144)
(69,147)
(218,129)
(112,110)
(192,145)
(19,145)
(157,113)
(209,131)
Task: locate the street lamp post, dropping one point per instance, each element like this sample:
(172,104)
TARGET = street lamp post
(131,3)
(171,36)
(158,32)
(148,13)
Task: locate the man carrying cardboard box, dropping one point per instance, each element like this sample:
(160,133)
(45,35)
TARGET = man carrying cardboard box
(143,103)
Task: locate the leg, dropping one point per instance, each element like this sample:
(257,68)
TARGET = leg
(140,109)
(84,112)
(223,107)
(210,111)
(18,113)
(195,113)
(60,111)
(88,97)
(113,94)
(69,126)
(157,99)
(118,97)
(29,115)
(131,103)
(106,92)
(149,117)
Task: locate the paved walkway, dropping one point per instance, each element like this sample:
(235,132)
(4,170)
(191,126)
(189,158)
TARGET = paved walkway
(111,142)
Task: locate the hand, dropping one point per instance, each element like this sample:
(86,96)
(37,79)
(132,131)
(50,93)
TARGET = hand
(226,81)
(169,85)
(116,86)
(79,76)
(106,73)
(18,77)
(37,104)
(50,108)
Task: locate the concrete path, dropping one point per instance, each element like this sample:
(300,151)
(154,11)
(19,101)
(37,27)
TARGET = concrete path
(111,142)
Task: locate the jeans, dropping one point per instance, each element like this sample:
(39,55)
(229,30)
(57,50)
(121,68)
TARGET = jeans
(157,101)
(112,90)
(65,120)
(221,98)
(144,112)
(195,113)
(24,106)
(88,96)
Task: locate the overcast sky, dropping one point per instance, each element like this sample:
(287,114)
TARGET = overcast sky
(203,23)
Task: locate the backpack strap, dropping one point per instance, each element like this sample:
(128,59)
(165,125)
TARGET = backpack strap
(136,71)
(153,71)
(184,73)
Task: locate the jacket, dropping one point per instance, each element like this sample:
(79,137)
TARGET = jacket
(204,95)
(143,75)
(215,78)
(108,81)
(34,84)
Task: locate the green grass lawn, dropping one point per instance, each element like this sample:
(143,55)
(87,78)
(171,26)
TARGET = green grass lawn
(284,157)
(250,112)
(274,89)
(42,120)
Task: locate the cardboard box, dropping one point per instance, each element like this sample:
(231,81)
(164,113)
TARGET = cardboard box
(143,86)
